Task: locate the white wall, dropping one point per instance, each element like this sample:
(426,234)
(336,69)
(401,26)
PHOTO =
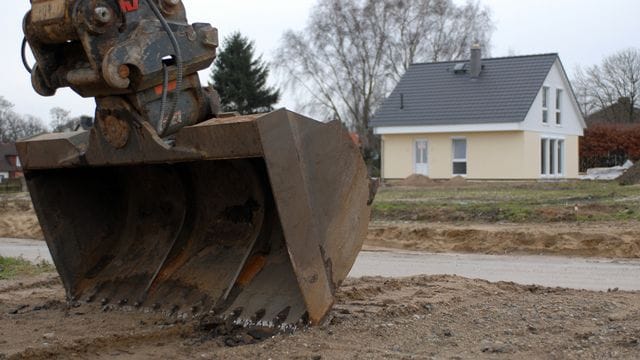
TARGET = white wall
(572,122)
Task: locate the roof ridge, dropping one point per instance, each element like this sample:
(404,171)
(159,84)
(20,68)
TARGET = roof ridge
(490,58)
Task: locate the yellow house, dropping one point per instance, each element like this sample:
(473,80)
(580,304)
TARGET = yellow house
(498,118)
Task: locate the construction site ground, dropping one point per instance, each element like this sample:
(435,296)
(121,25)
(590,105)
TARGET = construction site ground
(403,318)
(396,318)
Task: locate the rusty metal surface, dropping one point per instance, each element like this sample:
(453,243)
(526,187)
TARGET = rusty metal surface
(102,49)
(258,218)
(114,130)
(97,35)
(282,148)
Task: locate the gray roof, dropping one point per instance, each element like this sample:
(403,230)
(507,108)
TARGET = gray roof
(433,94)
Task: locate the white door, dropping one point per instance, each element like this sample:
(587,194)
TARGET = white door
(421,150)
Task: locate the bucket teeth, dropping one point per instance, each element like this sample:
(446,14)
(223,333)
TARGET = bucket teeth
(259,315)
(282,316)
(258,219)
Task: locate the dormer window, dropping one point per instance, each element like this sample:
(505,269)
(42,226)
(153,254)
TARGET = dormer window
(558,106)
(460,68)
(545,104)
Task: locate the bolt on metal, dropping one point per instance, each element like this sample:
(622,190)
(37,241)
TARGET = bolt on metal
(102,15)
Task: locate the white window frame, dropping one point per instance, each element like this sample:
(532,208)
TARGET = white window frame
(461,160)
(559,103)
(561,164)
(414,154)
(382,155)
(544,166)
(545,104)
(559,168)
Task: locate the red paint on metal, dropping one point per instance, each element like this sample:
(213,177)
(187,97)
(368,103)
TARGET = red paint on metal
(172,86)
(129,5)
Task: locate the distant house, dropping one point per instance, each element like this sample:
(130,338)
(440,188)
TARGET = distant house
(618,113)
(10,167)
(498,118)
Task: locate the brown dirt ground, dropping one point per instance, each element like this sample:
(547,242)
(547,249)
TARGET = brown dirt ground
(417,180)
(375,318)
(607,239)
(17,217)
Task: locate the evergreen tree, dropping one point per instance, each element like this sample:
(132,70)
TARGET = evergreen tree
(241,79)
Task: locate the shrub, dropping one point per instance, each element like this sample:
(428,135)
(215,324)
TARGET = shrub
(605,145)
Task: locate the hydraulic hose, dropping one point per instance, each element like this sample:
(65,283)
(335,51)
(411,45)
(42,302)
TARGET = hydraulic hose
(162,126)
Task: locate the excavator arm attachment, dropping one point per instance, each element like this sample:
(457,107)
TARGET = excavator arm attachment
(166,205)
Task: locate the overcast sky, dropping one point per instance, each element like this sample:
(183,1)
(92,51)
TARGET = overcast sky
(581,31)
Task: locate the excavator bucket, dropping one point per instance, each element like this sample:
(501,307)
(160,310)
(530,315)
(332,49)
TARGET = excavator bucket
(258,219)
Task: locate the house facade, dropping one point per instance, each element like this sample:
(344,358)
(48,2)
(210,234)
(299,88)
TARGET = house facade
(10,167)
(499,118)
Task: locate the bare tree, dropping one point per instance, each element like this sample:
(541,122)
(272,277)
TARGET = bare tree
(18,127)
(6,110)
(340,60)
(59,119)
(612,88)
(435,30)
(352,52)
(14,126)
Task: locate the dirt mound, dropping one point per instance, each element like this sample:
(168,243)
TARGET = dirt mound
(631,176)
(17,218)
(374,318)
(613,240)
(457,180)
(416,180)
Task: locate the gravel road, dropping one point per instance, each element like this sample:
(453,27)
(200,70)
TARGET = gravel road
(550,271)
(32,250)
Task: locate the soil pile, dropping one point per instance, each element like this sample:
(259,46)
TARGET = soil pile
(416,180)
(17,217)
(631,176)
(374,318)
(457,180)
(610,240)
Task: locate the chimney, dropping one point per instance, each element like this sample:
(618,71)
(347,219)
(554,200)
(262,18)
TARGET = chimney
(476,60)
